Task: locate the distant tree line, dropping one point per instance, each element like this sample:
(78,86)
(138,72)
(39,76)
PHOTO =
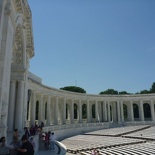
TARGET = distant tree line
(108,91)
(115,92)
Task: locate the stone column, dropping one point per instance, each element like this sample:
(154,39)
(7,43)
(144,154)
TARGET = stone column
(104,112)
(96,112)
(64,112)
(88,112)
(33,108)
(80,111)
(152,111)
(56,112)
(141,111)
(72,112)
(118,112)
(122,112)
(48,111)
(11,106)
(109,117)
(41,110)
(114,111)
(52,107)
(19,106)
(130,112)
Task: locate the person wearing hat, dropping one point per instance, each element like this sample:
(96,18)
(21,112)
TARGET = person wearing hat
(26,147)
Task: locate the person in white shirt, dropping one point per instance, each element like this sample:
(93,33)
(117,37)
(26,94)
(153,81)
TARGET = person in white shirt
(52,141)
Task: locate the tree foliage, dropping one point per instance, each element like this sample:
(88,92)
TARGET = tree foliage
(123,92)
(115,92)
(152,89)
(145,91)
(110,92)
(73,89)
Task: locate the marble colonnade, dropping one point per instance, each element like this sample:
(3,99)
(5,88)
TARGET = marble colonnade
(61,107)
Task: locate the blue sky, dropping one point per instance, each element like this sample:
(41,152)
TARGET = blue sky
(94,44)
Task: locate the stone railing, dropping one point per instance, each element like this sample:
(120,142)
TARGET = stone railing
(72,126)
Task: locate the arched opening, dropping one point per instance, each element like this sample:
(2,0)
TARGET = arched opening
(107,111)
(93,111)
(28,103)
(125,111)
(111,114)
(46,111)
(135,111)
(154,110)
(147,111)
(75,111)
(84,111)
(37,110)
(67,111)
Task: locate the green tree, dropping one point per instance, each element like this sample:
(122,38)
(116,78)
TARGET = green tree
(144,91)
(152,90)
(74,89)
(123,92)
(110,92)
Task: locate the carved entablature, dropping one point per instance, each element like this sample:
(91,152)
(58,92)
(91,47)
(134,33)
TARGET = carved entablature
(18,6)
(23,7)
(28,26)
(18,48)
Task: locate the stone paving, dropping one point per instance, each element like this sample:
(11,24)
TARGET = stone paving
(51,153)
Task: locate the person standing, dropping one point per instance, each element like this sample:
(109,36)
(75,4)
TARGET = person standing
(14,145)
(26,148)
(31,140)
(3,146)
(15,134)
(52,141)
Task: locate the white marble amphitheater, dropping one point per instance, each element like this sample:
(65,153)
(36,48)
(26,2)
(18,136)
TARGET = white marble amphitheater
(25,100)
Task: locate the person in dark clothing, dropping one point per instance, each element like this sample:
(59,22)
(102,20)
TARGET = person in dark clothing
(27,132)
(26,148)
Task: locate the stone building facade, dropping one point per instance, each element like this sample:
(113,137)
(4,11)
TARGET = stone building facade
(16,48)
(25,100)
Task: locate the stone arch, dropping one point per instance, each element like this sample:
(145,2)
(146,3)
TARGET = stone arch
(93,111)
(17,77)
(147,111)
(135,111)
(75,111)
(84,111)
(37,110)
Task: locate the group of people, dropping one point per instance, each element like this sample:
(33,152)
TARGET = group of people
(26,144)
(49,140)
(19,146)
